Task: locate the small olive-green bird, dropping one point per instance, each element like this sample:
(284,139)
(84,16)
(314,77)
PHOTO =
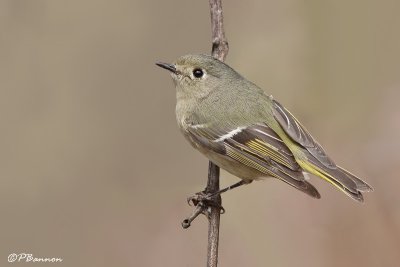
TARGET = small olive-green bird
(240,128)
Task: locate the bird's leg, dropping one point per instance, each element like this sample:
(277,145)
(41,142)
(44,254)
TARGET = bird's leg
(240,183)
(204,200)
(204,196)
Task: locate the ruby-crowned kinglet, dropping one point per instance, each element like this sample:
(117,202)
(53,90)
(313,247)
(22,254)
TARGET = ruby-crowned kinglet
(248,133)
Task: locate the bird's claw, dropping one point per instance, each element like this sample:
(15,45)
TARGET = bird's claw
(198,198)
(205,200)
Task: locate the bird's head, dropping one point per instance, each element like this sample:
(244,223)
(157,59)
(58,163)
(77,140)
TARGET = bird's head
(198,75)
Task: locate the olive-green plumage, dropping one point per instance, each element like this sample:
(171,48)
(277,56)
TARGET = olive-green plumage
(246,132)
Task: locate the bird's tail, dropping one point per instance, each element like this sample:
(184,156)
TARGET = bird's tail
(342,179)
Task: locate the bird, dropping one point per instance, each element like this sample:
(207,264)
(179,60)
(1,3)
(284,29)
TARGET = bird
(248,133)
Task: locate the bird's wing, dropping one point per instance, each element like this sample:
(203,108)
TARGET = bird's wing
(300,135)
(318,161)
(256,146)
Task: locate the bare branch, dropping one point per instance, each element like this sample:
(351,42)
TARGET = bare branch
(212,208)
(220,46)
(213,216)
(196,212)
(219,50)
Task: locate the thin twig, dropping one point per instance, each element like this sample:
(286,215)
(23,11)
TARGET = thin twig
(212,208)
(213,216)
(220,46)
(196,212)
(219,50)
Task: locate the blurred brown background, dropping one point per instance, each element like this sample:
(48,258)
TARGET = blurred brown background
(94,170)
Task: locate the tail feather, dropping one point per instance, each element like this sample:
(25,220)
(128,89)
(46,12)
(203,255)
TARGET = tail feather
(356,196)
(361,185)
(346,182)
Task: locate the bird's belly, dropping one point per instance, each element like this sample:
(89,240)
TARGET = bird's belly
(232,166)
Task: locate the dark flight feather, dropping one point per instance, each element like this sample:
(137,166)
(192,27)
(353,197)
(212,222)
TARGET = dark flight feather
(257,147)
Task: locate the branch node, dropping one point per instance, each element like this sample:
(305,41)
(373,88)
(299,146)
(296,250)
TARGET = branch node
(196,212)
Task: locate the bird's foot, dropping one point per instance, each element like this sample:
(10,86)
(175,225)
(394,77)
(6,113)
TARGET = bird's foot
(203,203)
(205,199)
(197,198)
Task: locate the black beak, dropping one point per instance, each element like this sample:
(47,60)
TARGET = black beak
(167,66)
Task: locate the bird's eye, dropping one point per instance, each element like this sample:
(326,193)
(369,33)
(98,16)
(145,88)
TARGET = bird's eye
(198,73)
